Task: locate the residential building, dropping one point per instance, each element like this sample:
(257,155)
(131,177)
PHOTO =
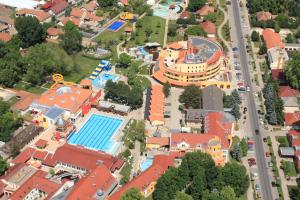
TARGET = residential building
(272,39)
(5,37)
(277,58)
(83,17)
(146,181)
(156,107)
(157,142)
(24,102)
(197,61)
(40,15)
(54,33)
(292,120)
(212,98)
(210,28)
(289,97)
(185,15)
(205,10)
(264,16)
(58,7)
(91,6)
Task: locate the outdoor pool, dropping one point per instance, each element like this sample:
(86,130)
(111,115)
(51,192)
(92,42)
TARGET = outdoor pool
(115,26)
(100,81)
(97,133)
(146,163)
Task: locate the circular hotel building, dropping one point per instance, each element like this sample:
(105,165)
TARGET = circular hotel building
(197,61)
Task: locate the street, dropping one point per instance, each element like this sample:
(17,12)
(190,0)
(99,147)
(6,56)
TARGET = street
(266,187)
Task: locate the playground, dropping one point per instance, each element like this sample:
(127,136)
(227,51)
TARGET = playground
(116,25)
(127,16)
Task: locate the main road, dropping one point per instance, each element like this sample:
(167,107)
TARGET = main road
(265,183)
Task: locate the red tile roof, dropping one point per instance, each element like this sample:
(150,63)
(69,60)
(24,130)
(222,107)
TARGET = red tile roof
(74,20)
(26,99)
(54,31)
(98,179)
(59,7)
(185,15)
(291,118)
(24,156)
(83,158)
(41,143)
(175,46)
(160,164)
(205,10)
(272,39)
(37,181)
(209,27)
(91,6)
(5,37)
(161,141)
(124,2)
(40,15)
(287,91)
(70,98)
(264,16)
(40,155)
(157,104)
(277,74)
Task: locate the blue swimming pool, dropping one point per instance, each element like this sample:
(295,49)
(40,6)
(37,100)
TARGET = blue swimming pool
(115,26)
(97,133)
(162,10)
(146,163)
(100,81)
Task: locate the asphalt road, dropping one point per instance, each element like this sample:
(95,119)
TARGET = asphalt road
(266,187)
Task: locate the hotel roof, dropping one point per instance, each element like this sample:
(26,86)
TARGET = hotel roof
(70,98)
(160,164)
(272,39)
(96,184)
(83,158)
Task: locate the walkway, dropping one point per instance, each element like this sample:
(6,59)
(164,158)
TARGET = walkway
(166,31)
(222,25)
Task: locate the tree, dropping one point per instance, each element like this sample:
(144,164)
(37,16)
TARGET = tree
(235,176)
(236,97)
(68,11)
(198,184)
(290,38)
(148,31)
(124,60)
(196,30)
(277,28)
(194,5)
(182,196)
(30,31)
(132,194)
(191,97)
(292,70)
(107,3)
(71,39)
(227,193)
(295,192)
(244,147)
(166,89)
(255,36)
(172,30)
(236,152)
(212,16)
(3,166)
(262,49)
(235,111)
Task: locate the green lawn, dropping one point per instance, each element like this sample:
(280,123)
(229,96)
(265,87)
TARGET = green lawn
(29,88)
(156,24)
(283,141)
(288,168)
(176,37)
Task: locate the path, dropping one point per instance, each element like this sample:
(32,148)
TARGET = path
(222,25)
(166,31)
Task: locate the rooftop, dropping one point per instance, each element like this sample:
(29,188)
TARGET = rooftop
(272,39)
(287,91)
(40,15)
(54,31)
(5,37)
(25,99)
(212,98)
(209,27)
(205,10)
(291,118)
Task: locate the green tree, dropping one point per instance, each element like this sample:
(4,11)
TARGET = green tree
(71,39)
(132,194)
(198,184)
(182,196)
(148,31)
(107,3)
(244,147)
(294,192)
(195,30)
(30,31)
(194,5)
(211,17)
(292,70)
(277,28)
(290,38)
(262,49)
(227,193)
(191,97)
(172,30)
(236,152)
(236,97)
(166,89)
(3,166)
(68,11)
(235,176)
(124,60)
(255,36)
(235,111)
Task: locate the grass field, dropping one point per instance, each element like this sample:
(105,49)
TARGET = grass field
(176,37)
(29,88)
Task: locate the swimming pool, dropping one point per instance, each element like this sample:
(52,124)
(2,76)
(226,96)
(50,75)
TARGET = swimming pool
(146,163)
(162,10)
(97,133)
(143,51)
(115,26)
(100,81)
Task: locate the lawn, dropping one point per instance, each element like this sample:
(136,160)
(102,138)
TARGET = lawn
(153,23)
(288,168)
(177,37)
(29,88)
(283,141)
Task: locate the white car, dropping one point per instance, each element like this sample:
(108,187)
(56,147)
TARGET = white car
(248,89)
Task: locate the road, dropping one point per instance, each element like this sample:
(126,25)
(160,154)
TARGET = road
(266,187)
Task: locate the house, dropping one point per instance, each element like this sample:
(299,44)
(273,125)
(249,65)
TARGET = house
(185,15)
(272,39)
(74,20)
(210,28)
(24,102)
(156,110)
(5,37)
(54,33)
(146,181)
(157,142)
(97,184)
(123,2)
(69,98)
(85,17)
(294,140)
(292,120)
(289,97)
(212,98)
(205,10)
(277,58)
(38,186)
(40,15)
(91,6)
(264,16)
(58,7)
(82,160)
